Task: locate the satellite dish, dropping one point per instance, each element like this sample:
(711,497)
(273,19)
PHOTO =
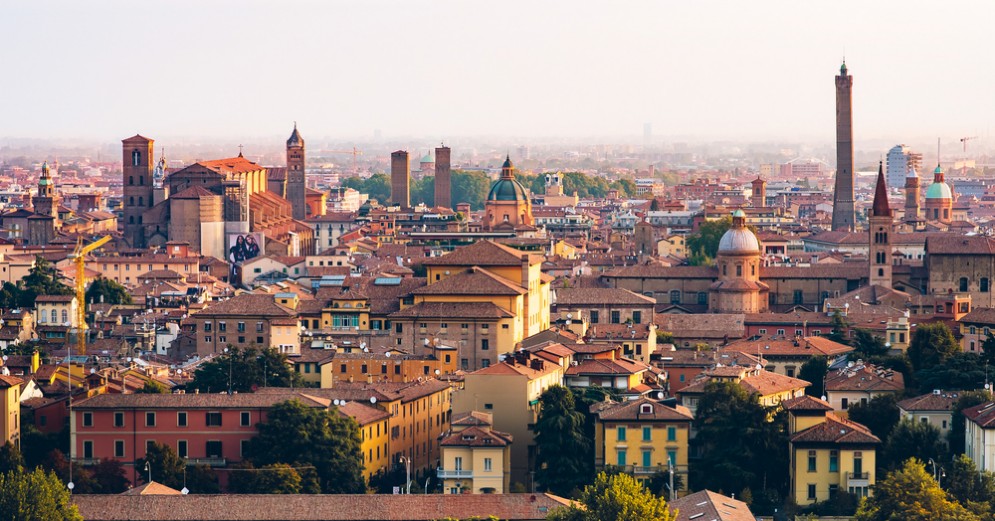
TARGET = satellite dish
(335,401)
(93,370)
(659,395)
(759,367)
(185,491)
(373,399)
(70,485)
(437,372)
(387,354)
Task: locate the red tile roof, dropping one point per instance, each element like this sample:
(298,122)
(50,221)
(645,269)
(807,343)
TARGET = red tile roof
(710,506)
(476,437)
(632,410)
(483,253)
(836,430)
(983,415)
(197,400)
(475,281)
(934,401)
(453,310)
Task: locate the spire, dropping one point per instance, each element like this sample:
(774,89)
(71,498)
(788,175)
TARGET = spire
(880,207)
(843,67)
(45,172)
(295,139)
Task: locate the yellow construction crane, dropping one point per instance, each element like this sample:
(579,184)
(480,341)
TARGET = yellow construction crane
(354,152)
(78,256)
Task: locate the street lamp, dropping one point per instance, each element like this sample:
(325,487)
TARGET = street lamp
(407,473)
(670,470)
(229,370)
(938,472)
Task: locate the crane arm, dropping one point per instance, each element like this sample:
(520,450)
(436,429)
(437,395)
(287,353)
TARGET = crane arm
(79,258)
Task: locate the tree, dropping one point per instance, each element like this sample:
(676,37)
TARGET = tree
(931,345)
(277,478)
(880,415)
(249,369)
(10,458)
(838,333)
(973,489)
(958,371)
(619,498)
(866,344)
(376,186)
(911,439)
(171,470)
(966,400)
(470,187)
(814,371)
(988,350)
(561,444)
(109,476)
(36,496)
(301,436)
(705,241)
(742,443)
(152,387)
(108,292)
(910,494)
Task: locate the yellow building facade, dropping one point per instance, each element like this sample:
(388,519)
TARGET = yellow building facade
(643,437)
(374,433)
(828,453)
(475,458)
(10,409)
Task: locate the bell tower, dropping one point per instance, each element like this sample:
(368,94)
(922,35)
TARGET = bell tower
(137,161)
(296,176)
(880,229)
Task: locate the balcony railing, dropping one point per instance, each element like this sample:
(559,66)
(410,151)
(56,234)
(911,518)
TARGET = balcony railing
(858,479)
(453,474)
(646,470)
(86,461)
(211,462)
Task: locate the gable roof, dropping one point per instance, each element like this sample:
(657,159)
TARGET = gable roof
(483,253)
(475,281)
(632,410)
(934,401)
(710,506)
(983,414)
(249,304)
(475,436)
(838,431)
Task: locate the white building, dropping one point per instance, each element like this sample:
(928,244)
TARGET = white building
(900,159)
(979,435)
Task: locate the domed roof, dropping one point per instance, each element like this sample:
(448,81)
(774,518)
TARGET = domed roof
(938,170)
(939,190)
(507,162)
(505,189)
(739,240)
(427,158)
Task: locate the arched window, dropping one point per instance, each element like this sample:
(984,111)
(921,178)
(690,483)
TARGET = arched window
(880,272)
(724,272)
(983,284)
(131,200)
(55,316)
(963,284)
(65,316)
(136,157)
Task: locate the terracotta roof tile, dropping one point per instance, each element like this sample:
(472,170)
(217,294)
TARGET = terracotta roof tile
(363,414)
(632,410)
(453,310)
(600,296)
(935,401)
(482,253)
(838,431)
(710,506)
(196,400)
(983,415)
(475,281)
(475,436)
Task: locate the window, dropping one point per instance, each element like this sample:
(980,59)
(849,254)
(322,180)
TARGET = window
(637,317)
(671,433)
(647,458)
(207,327)
(259,327)
(181,419)
(118,448)
(181,448)
(616,317)
(594,317)
(672,458)
(222,326)
(621,458)
(136,158)
(811,491)
(858,463)
(119,419)
(798,296)
(844,403)
(87,450)
(87,419)
(245,419)
(675,297)
(811,461)
(739,270)
(702,298)
(213,449)
(621,434)
(488,465)
(241,327)
(962,284)
(458,463)
(983,285)
(485,345)
(485,363)
(647,433)
(55,316)
(213,419)
(150,419)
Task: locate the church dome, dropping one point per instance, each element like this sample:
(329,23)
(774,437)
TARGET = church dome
(505,189)
(939,190)
(739,239)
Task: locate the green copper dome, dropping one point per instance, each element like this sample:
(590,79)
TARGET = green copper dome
(939,190)
(505,189)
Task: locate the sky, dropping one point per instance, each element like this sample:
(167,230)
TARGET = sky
(705,70)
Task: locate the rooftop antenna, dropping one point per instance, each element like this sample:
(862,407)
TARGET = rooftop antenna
(937,151)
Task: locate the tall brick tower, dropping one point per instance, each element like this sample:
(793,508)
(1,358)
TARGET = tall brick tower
(296,177)
(400,179)
(137,152)
(843,214)
(912,196)
(46,203)
(443,186)
(880,224)
(759,198)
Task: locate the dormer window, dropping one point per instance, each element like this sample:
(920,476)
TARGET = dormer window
(646,408)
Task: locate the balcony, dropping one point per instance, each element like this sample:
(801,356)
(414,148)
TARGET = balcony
(454,474)
(858,479)
(210,462)
(86,461)
(644,471)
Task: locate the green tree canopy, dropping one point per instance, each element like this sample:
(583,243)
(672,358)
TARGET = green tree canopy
(880,415)
(470,187)
(171,470)
(911,439)
(619,497)
(866,344)
(973,489)
(250,368)
(376,186)
(814,371)
(277,478)
(152,387)
(300,436)
(561,444)
(911,494)
(108,292)
(35,496)
(965,400)
(931,345)
(742,442)
(957,371)
(10,458)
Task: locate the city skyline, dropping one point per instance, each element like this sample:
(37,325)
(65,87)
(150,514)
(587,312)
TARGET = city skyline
(510,72)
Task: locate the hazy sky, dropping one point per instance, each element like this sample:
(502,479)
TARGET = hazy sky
(745,70)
